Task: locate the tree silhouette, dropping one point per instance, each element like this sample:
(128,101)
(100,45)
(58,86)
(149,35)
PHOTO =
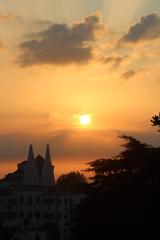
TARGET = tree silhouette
(126,194)
(126,168)
(156,121)
(73,181)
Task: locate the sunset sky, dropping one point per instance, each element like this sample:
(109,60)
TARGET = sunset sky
(61,59)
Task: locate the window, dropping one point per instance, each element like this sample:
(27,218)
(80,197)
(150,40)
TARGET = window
(65,201)
(71,201)
(65,216)
(30,201)
(21,200)
(38,200)
(12,215)
(52,201)
(30,215)
(49,201)
(37,215)
(59,201)
(12,201)
(59,216)
(21,214)
(48,216)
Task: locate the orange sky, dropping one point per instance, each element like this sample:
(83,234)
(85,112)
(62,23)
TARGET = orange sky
(61,59)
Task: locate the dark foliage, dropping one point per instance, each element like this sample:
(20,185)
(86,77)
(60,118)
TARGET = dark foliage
(137,164)
(118,213)
(156,120)
(125,196)
(73,181)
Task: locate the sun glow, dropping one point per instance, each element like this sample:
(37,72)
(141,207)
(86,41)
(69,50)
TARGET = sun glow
(85,119)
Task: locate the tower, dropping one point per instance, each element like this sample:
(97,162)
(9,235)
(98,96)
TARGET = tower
(31,174)
(47,177)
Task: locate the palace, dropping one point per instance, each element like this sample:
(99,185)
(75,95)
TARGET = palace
(30,201)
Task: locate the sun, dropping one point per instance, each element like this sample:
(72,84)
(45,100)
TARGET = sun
(85,120)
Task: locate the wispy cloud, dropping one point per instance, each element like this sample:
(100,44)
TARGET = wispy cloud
(114,60)
(7,17)
(1,45)
(128,74)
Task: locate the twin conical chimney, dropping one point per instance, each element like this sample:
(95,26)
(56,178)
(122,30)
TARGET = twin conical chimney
(47,178)
(31,174)
(30,153)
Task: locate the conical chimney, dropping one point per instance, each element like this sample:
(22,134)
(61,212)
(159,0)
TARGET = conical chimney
(31,174)
(47,177)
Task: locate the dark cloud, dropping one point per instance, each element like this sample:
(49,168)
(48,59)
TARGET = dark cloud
(70,148)
(148,28)
(91,143)
(128,74)
(68,143)
(116,60)
(62,44)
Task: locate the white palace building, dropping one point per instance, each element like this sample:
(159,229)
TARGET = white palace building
(30,199)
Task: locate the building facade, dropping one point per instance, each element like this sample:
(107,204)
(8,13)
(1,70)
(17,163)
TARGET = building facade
(30,199)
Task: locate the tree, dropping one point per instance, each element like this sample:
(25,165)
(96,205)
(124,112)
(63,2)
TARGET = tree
(137,164)
(122,169)
(104,170)
(156,121)
(126,194)
(74,181)
(134,154)
(118,213)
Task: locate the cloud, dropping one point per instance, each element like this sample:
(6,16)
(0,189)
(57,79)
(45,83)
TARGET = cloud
(148,28)
(7,17)
(71,148)
(70,143)
(116,60)
(66,143)
(1,45)
(43,22)
(128,74)
(85,144)
(62,44)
